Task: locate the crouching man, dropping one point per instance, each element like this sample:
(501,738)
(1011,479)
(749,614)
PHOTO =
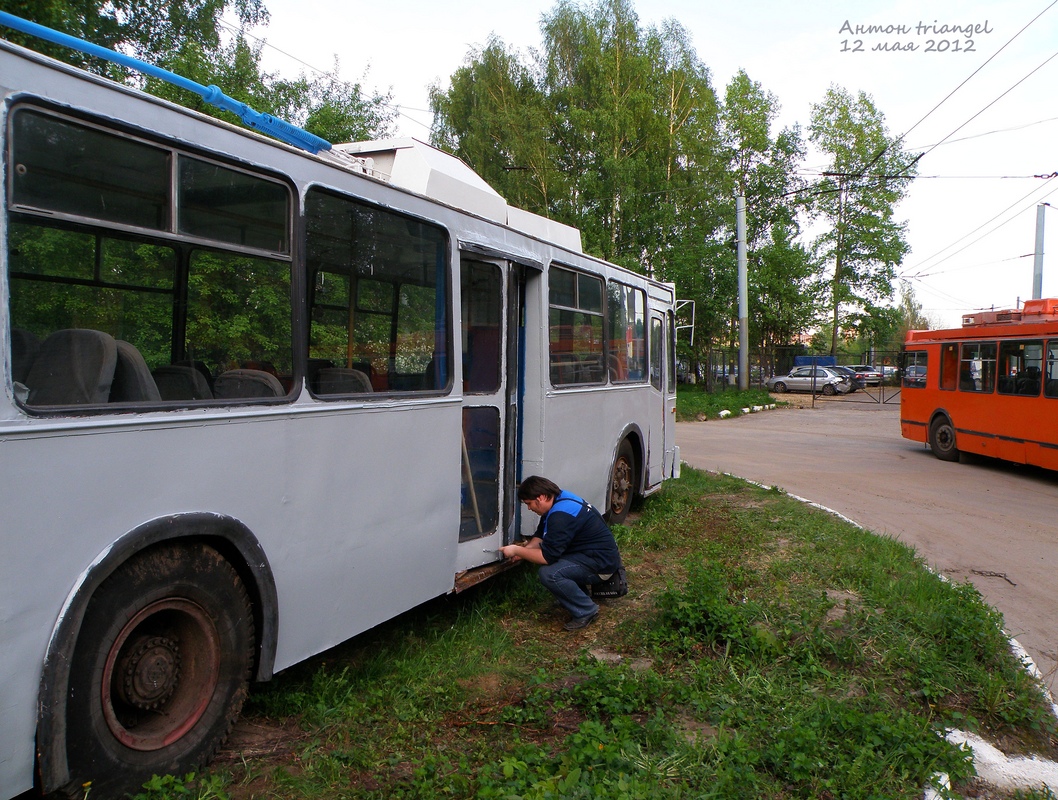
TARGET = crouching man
(572,545)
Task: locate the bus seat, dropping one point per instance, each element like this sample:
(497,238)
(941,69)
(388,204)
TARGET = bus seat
(435,376)
(263,366)
(202,368)
(313,367)
(591,369)
(24,348)
(181,382)
(364,366)
(243,383)
(563,370)
(342,380)
(132,380)
(73,367)
(1028,382)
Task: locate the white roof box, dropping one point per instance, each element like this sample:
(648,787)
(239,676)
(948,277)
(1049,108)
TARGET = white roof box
(425,170)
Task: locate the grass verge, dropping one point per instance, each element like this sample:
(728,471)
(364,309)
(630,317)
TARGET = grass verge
(692,403)
(765,650)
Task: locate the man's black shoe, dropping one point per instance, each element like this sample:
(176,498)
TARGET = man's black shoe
(577,623)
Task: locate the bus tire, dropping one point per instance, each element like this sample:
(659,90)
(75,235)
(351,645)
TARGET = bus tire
(622,484)
(160,670)
(942,439)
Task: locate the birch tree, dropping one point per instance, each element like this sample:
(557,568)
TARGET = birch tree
(867,175)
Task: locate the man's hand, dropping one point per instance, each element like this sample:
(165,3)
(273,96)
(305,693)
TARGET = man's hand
(529,552)
(510,551)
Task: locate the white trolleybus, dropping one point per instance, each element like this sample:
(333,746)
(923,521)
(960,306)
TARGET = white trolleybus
(257,400)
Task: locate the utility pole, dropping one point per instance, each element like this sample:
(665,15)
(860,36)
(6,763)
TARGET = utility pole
(1037,263)
(743,295)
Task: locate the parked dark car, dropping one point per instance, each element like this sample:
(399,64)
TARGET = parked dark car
(915,375)
(872,376)
(857,379)
(826,380)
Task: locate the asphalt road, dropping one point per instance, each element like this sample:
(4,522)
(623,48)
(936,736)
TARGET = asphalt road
(987,522)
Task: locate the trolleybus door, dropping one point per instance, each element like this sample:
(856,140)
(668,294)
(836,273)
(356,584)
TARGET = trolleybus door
(658,421)
(490,405)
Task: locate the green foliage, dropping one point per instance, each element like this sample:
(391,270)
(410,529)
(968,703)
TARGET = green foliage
(609,127)
(867,176)
(189,787)
(693,403)
(616,129)
(185,37)
(703,611)
(146,29)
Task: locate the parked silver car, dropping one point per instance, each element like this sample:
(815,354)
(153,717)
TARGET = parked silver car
(824,380)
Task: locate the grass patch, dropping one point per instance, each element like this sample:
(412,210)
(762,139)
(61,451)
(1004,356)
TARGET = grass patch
(765,650)
(693,403)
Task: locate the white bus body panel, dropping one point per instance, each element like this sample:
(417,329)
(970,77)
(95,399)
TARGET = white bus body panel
(309,486)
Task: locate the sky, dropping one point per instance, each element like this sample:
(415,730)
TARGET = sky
(972,84)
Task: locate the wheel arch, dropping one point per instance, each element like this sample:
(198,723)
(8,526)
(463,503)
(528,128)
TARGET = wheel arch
(939,413)
(632,436)
(635,438)
(228,536)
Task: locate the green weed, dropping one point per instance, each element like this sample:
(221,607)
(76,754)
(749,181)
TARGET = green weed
(765,650)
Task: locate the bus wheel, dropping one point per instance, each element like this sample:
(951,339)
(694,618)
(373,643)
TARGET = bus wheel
(942,439)
(622,483)
(160,669)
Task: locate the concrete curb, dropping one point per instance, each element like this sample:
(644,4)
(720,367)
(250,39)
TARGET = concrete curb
(747,410)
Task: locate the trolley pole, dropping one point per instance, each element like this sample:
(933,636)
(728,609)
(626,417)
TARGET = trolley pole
(743,295)
(1037,263)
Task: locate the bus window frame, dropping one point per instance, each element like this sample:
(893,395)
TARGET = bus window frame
(912,360)
(1013,363)
(972,354)
(616,367)
(176,149)
(554,370)
(185,247)
(308,295)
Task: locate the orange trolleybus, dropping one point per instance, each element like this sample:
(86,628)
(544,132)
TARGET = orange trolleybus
(989,387)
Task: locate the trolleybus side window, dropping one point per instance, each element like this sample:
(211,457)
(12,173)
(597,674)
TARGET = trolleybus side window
(977,367)
(915,369)
(949,367)
(1020,367)
(482,311)
(576,327)
(657,348)
(117,295)
(1050,383)
(481,299)
(378,297)
(626,351)
(671,379)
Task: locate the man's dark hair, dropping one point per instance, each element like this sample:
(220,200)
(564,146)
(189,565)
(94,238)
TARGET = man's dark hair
(534,486)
